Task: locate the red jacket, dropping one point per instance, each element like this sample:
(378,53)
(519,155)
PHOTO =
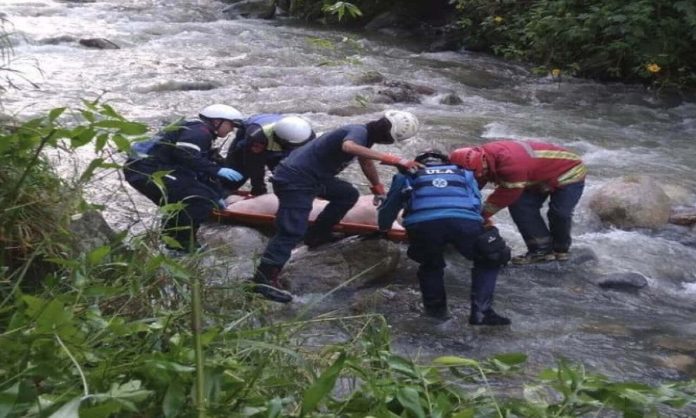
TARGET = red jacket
(516,165)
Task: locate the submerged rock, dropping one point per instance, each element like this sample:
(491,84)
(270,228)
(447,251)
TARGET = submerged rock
(622,281)
(686,217)
(99,43)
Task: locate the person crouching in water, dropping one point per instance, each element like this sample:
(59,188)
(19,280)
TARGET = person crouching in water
(183,156)
(442,205)
(309,172)
(262,142)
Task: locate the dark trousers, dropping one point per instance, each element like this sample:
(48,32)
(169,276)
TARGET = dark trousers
(526,213)
(295,204)
(427,244)
(197,199)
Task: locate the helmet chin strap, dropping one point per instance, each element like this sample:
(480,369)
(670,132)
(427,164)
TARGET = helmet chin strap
(217,125)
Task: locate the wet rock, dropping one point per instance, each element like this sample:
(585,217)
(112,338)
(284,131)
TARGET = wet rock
(58,40)
(329,266)
(685,217)
(622,281)
(680,362)
(397,95)
(90,231)
(451,99)
(681,196)
(632,202)
(370,77)
(674,343)
(418,88)
(402,92)
(251,9)
(613,329)
(233,241)
(371,300)
(350,110)
(382,21)
(173,85)
(99,43)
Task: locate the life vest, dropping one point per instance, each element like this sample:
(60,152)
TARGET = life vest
(443,187)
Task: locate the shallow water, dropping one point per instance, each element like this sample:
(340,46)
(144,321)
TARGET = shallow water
(180,55)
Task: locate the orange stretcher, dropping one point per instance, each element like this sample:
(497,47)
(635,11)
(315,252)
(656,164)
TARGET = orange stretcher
(261,219)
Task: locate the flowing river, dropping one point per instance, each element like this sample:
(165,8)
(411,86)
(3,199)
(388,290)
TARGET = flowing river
(176,56)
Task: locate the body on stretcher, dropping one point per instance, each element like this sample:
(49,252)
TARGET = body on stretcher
(361,219)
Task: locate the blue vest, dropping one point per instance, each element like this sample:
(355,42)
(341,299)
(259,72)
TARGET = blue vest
(443,187)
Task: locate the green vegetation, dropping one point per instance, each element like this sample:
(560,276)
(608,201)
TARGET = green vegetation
(107,332)
(646,41)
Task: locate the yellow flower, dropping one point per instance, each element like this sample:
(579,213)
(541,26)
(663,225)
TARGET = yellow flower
(556,72)
(653,68)
(498,19)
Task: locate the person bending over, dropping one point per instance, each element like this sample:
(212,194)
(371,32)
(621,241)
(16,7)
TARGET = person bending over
(176,166)
(262,142)
(526,174)
(442,206)
(310,172)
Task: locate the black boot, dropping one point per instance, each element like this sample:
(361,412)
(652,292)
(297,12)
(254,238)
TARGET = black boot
(267,284)
(487,317)
(315,238)
(439,312)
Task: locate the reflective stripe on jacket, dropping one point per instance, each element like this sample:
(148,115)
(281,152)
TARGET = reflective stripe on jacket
(516,165)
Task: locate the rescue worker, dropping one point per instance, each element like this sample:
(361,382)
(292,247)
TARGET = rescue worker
(442,205)
(180,160)
(262,141)
(526,174)
(309,172)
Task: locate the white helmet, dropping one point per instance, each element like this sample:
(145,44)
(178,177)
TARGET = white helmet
(403,124)
(221,111)
(294,130)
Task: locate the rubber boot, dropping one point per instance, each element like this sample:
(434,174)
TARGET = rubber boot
(487,317)
(439,312)
(436,308)
(316,237)
(267,284)
(482,313)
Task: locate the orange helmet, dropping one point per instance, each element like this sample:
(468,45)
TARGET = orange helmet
(470,158)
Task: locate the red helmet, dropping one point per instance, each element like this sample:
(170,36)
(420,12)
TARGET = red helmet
(470,158)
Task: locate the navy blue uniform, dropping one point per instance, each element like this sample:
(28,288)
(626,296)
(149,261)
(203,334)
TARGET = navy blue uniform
(185,156)
(307,173)
(255,130)
(442,205)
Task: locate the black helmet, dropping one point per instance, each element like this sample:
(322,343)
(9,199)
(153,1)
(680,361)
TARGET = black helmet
(432,157)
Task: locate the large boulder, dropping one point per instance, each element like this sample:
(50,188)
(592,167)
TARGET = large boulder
(329,266)
(632,202)
(233,241)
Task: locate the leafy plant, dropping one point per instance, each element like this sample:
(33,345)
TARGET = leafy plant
(340,9)
(646,41)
